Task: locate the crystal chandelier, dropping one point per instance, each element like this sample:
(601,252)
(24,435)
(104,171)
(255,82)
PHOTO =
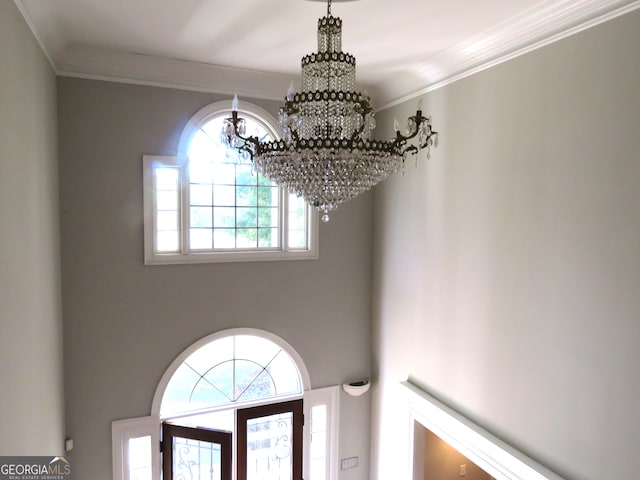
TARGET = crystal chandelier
(327,154)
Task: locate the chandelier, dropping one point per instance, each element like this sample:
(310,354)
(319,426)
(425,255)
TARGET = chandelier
(327,154)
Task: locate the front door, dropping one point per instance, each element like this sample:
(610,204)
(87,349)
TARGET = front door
(270,442)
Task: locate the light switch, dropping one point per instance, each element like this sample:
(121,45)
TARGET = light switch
(347,463)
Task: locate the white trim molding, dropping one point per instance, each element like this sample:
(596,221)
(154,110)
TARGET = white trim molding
(156,71)
(546,22)
(541,25)
(494,456)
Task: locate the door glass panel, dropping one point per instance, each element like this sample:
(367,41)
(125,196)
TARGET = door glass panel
(269,447)
(195,453)
(196,459)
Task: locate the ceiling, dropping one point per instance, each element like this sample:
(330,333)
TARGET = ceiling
(403,47)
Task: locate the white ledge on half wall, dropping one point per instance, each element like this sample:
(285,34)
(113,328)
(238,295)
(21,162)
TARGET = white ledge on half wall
(491,454)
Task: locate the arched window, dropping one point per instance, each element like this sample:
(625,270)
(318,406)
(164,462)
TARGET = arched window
(231,370)
(207,204)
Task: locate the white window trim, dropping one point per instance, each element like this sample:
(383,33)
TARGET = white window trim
(328,396)
(151,257)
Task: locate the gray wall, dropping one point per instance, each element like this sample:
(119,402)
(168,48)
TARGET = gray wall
(126,322)
(31,398)
(507,274)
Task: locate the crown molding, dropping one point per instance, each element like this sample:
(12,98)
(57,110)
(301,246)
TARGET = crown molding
(28,18)
(172,73)
(547,23)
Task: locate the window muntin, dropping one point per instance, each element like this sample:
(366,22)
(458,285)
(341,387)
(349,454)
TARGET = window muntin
(208,204)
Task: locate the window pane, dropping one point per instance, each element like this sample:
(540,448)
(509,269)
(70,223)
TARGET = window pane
(224,237)
(166,200)
(247,217)
(297,218)
(264,181)
(244,175)
(247,237)
(177,396)
(224,195)
(167,241)
(318,450)
(268,217)
(258,349)
(216,385)
(200,172)
(200,238)
(211,354)
(268,196)
(140,458)
(224,217)
(297,212)
(201,194)
(200,147)
(285,375)
(252,381)
(268,237)
(166,178)
(246,195)
(201,217)
(224,173)
(297,239)
(167,220)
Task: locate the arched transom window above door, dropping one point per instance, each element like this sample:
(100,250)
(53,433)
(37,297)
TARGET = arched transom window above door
(231,370)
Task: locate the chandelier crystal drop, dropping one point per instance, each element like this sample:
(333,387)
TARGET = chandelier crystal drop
(327,154)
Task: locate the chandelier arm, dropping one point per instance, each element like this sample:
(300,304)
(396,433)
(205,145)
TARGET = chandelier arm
(250,144)
(401,140)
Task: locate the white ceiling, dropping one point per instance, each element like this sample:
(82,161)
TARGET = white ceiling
(403,47)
